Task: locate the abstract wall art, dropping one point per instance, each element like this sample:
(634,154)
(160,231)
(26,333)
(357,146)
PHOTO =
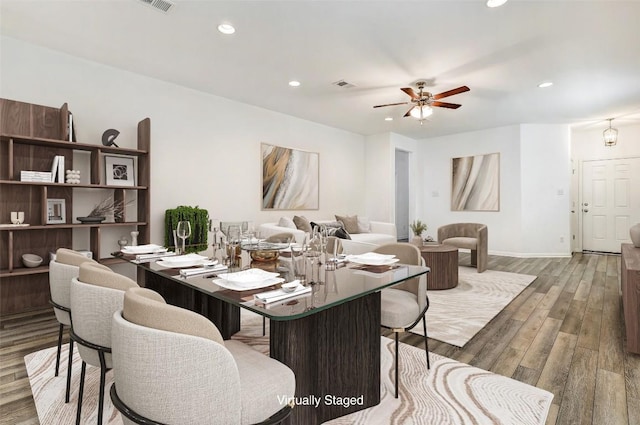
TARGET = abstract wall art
(475,183)
(289,179)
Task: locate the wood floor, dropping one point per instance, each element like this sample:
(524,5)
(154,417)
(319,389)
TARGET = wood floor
(564,333)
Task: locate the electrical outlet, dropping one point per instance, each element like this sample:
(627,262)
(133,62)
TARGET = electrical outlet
(561,239)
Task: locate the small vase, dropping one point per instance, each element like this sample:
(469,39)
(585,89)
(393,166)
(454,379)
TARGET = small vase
(634,231)
(417,240)
(134,238)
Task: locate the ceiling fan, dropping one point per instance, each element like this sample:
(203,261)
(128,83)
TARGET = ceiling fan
(423,101)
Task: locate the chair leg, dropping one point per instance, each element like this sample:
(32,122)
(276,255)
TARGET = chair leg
(264,326)
(59,349)
(426,341)
(397,358)
(103,371)
(69,367)
(80,393)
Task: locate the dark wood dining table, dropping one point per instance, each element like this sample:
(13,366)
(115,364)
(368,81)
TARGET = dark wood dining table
(330,337)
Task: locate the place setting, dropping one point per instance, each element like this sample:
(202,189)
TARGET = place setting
(372,262)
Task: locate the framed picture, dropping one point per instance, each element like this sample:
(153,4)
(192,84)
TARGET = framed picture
(475,183)
(119,170)
(289,178)
(56,212)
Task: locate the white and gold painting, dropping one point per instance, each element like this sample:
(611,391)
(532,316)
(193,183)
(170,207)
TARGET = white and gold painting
(289,178)
(475,183)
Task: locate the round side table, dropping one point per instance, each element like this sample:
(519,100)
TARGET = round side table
(443,262)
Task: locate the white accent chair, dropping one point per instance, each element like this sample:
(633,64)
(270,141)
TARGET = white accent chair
(95,295)
(204,380)
(405,305)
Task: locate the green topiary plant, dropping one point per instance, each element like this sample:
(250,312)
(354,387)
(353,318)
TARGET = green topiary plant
(418,227)
(199,219)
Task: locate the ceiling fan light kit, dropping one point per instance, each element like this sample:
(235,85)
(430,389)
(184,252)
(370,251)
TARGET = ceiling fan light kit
(423,101)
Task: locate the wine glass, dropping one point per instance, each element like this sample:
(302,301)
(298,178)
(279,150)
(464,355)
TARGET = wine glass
(183,231)
(233,239)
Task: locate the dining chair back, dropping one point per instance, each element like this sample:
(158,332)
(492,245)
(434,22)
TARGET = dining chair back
(405,305)
(65,267)
(95,295)
(204,379)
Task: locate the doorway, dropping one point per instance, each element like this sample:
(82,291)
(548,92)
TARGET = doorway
(402,194)
(610,203)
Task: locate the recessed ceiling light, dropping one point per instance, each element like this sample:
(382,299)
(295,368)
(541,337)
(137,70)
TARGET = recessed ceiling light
(545,84)
(226,28)
(294,83)
(389,119)
(495,3)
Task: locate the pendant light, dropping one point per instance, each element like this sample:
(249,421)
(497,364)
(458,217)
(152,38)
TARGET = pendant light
(610,135)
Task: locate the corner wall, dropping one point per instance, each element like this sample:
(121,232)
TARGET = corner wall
(527,187)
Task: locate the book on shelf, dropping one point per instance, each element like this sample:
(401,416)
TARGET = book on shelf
(71,127)
(35,176)
(60,169)
(54,169)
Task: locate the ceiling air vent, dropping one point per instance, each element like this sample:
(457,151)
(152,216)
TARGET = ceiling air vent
(161,5)
(344,84)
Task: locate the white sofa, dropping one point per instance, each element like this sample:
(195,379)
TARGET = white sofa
(379,233)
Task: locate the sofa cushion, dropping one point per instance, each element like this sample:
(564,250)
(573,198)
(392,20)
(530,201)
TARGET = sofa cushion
(287,222)
(350,223)
(373,238)
(364,225)
(302,223)
(461,242)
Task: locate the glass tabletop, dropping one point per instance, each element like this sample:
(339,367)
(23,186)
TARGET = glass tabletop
(347,282)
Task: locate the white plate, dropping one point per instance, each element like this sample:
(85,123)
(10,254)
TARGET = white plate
(143,249)
(372,259)
(234,286)
(248,276)
(181,261)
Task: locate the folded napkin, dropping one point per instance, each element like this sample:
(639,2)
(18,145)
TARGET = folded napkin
(279,294)
(203,270)
(181,260)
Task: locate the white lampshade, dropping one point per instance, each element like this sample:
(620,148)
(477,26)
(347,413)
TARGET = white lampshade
(421,112)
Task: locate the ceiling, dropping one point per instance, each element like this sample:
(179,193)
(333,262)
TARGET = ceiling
(590,50)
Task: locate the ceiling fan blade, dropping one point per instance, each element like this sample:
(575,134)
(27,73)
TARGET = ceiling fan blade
(410,92)
(448,93)
(391,104)
(408,112)
(446,105)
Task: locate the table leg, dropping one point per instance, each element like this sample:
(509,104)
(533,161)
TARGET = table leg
(334,354)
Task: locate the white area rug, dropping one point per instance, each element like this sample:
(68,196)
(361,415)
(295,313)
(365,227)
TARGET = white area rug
(456,315)
(449,393)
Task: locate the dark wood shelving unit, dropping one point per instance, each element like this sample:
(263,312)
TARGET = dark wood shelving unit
(30,137)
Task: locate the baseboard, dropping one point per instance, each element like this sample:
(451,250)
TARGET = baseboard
(531,254)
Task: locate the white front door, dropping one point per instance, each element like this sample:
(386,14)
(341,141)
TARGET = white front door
(610,202)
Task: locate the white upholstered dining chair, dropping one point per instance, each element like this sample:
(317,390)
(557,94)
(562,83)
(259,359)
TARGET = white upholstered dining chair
(95,295)
(204,380)
(65,267)
(405,305)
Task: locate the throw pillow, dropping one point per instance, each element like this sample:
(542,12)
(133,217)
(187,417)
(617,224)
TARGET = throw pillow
(287,222)
(350,223)
(338,232)
(302,223)
(364,225)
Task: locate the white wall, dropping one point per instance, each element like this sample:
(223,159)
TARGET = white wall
(524,207)
(588,145)
(205,150)
(545,189)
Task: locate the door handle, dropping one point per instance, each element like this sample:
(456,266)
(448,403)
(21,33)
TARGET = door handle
(585,210)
